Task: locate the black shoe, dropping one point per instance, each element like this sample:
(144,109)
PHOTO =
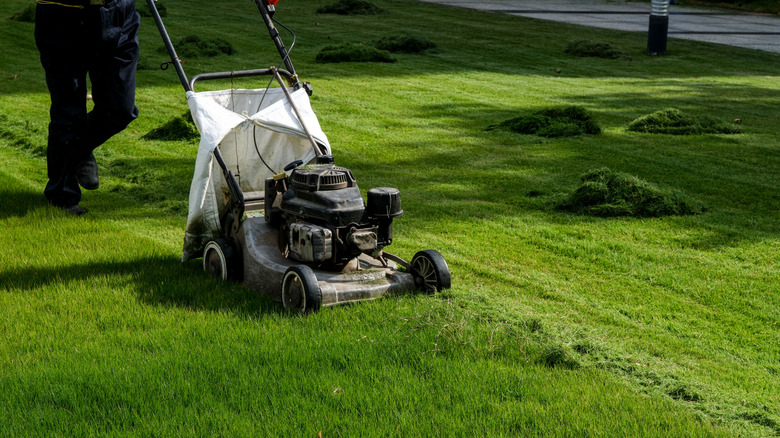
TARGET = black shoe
(74,210)
(87,174)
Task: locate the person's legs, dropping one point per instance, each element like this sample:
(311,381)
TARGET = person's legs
(100,40)
(112,72)
(59,37)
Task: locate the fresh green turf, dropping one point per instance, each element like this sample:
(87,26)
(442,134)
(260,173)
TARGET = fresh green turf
(558,324)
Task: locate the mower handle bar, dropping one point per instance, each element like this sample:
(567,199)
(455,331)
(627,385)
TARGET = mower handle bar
(266,11)
(291,78)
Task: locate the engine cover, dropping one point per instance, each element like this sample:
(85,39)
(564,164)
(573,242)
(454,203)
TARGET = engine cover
(324,194)
(323,218)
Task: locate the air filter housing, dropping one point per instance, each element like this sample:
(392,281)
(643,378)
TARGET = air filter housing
(384,203)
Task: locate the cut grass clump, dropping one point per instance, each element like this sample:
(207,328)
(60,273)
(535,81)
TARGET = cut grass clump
(26,15)
(405,44)
(144,63)
(604,192)
(552,122)
(673,121)
(556,356)
(177,128)
(350,52)
(351,7)
(144,11)
(591,49)
(683,392)
(193,46)
(761,418)
(26,136)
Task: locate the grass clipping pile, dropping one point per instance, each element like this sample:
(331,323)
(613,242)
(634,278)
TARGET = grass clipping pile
(144,11)
(26,15)
(607,193)
(351,7)
(591,49)
(378,51)
(413,44)
(193,46)
(177,128)
(352,52)
(673,121)
(552,122)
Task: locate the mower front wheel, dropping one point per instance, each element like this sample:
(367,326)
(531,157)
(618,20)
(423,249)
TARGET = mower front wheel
(300,290)
(220,260)
(430,271)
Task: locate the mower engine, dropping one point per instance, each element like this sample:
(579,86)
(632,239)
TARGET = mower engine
(322,216)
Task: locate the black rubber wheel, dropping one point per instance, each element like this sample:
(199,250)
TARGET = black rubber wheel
(430,271)
(300,290)
(220,260)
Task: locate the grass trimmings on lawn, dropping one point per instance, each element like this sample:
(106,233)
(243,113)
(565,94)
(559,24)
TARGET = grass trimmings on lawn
(177,128)
(352,52)
(593,49)
(552,122)
(675,122)
(351,7)
(604,192)
(26,15)
(196,46)
(405,44)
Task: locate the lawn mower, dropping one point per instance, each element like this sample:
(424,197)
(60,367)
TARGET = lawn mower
(269,207)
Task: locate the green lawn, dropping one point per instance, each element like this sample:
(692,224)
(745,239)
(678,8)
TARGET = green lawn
(557,324)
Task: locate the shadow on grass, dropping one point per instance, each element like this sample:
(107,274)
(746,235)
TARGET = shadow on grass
(15,202)
(751,104)
(156,281)
(130,187)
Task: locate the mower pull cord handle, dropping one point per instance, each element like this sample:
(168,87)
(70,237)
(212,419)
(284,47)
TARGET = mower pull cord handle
(293,165)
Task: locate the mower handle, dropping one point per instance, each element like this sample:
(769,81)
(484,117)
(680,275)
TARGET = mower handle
(266,10)
(175,60)
(291,78)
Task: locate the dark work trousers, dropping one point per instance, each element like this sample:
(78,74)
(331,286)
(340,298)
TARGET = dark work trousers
(99,41)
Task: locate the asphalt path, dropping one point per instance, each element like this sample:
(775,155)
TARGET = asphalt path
(719,26)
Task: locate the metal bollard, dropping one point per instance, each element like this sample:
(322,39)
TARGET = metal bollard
(659,27)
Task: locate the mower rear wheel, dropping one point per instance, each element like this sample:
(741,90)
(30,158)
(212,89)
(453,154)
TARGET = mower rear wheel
(300,290)
(430,271)
(220,260)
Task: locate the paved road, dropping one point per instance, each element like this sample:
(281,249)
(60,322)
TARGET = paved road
(720,26)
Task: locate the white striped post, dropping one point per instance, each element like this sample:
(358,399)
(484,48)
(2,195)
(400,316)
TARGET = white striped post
(659,27)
